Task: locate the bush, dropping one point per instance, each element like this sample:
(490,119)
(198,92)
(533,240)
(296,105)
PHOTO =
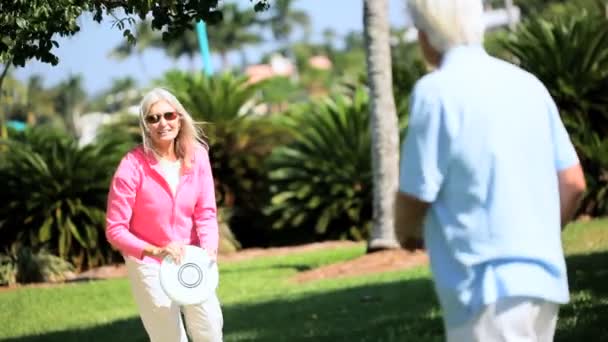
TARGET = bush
(322,181)
(569,54)
(8,270)
(56,195)
(23,265)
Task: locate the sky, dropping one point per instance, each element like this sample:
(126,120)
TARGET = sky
(87,52)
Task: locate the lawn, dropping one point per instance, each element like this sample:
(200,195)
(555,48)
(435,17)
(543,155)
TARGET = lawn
(260,304)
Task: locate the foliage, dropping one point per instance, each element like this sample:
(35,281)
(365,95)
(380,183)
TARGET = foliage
(56,193)
(549,8)
(221,98)
(279,92)
(407,67)
(23,265)
(232,35)
(322,180)
(283,19)
(40,266)
(30,26)
(123,130)
(235,32)
(8,270)
(569,54)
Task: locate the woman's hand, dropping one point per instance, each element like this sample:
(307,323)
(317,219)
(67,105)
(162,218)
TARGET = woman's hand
(174,250)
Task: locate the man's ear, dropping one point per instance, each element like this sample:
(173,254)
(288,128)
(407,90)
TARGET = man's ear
(431,55)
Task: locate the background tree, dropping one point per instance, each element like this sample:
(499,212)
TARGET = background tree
(283,20)
(69,97)
(30,27)
(235,32)
(383,123)
(146,38)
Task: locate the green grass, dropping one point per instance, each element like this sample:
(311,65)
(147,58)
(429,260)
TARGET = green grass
(260,304)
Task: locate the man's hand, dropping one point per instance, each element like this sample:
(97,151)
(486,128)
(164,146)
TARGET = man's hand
(409,218)
(571,189)
(412,244)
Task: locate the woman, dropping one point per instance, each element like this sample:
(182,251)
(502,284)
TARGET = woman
(162,198)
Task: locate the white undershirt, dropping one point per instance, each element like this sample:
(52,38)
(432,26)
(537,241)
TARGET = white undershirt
(171,172)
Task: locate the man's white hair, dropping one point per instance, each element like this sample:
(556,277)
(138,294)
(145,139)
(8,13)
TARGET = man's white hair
(448,23)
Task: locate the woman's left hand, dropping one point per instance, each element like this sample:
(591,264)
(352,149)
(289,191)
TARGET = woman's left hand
(175,250)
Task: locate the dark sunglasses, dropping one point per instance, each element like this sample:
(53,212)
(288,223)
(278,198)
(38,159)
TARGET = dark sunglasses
(155,118)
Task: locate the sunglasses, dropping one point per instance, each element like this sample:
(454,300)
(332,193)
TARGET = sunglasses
(155,118)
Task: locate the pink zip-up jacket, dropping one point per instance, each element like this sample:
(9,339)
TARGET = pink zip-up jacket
(142,210)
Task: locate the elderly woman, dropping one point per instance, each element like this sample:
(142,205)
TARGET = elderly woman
(490,172)
(160,199)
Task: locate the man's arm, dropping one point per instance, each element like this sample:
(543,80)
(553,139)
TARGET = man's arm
(571,188)
(409,218)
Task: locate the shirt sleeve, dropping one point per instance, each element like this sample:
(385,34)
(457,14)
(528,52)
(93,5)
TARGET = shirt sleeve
(121,199)
(205,212)
(426,149)
(564,153)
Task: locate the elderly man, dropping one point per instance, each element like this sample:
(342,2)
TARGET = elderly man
(489,176)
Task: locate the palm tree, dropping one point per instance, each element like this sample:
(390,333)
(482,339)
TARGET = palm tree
(329,38)
(39,103)
(69,100)
(383,123)
(146,38)
(284,19)
(234,33)
(187,45)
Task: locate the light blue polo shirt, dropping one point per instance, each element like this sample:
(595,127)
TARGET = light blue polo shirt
(484,145)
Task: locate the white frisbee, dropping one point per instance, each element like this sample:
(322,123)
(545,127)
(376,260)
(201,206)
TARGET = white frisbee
(193,280)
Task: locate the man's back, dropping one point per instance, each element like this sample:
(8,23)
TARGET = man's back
(494,144)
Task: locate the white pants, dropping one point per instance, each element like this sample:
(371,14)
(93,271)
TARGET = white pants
(516,319)
(162,317)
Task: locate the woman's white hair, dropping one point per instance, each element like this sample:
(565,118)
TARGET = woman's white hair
(190,134)
(448,23)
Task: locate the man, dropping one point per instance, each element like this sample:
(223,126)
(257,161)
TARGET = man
(490,172)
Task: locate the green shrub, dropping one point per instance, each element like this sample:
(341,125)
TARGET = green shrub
(322,180)
(56,195)
(40,267)
(569,54)
(24,265)
(8,270)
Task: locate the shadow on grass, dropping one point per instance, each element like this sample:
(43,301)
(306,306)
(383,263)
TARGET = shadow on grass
(584,319)
(124,330)
(397,311)
(297,267)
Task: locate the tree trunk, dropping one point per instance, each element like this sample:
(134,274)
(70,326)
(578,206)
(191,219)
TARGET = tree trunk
(383,124)
(3,123)
(4,73)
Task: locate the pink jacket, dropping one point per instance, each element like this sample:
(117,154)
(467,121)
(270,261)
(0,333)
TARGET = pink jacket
(142,210)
